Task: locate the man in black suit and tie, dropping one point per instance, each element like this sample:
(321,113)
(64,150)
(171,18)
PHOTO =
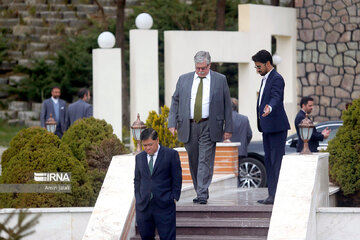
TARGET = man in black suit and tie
(306,105)
(271,118)
(201,114)
(157,182)
(57,108)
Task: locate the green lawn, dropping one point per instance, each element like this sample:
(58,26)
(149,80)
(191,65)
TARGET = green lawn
(7,132)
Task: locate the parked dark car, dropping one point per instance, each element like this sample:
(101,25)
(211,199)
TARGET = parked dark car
(252,169)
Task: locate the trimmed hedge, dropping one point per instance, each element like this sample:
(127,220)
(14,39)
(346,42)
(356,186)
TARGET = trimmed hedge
(41,151)
(344,149)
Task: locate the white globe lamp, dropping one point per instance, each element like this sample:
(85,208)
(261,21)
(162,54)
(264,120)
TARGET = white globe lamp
(144,21)
(276,59)
(106,40)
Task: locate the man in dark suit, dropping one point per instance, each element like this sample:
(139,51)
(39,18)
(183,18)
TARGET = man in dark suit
(306,105)
(57,108)
(158,180)
(241,131)
(81,108)
(200,112)
(271,118)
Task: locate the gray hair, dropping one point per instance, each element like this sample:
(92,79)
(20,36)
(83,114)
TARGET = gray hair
(202,56)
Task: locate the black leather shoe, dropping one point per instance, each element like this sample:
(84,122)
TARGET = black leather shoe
(196,200)
(268,200)
(202,201)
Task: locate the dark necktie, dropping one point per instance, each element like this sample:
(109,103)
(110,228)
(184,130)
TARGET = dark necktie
(151,164)
(198,102)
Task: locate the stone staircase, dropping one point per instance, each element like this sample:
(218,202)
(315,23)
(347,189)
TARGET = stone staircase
(205,222)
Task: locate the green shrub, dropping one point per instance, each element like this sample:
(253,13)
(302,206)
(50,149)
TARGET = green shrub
(93,143)
(41,151)
(86,133)
(344,149)
(160,124)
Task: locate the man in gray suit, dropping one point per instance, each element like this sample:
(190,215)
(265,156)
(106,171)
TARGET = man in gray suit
(241,131)
(57,108)
(201,114)
(81,108)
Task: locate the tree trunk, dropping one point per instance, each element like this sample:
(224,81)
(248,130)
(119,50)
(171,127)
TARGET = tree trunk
(220,15)
(120,43)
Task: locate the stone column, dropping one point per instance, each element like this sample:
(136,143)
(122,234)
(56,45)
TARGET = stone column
(107,87)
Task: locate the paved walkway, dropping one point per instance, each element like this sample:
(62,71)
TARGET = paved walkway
(231,197)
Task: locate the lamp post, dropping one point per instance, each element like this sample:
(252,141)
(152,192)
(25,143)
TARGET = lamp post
(137,127)
(50,124)
(306,128)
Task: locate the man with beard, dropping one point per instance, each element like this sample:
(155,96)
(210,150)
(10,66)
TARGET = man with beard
(271,119)
(306,105)
(57,108)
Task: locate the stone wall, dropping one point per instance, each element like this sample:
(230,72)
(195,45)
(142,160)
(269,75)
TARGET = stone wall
(328,54)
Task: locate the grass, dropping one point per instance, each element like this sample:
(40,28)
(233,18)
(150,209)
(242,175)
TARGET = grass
(7,132)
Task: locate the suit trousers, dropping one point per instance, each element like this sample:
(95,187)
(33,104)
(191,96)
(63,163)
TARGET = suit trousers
(274,148)
(164,220)
(201,153)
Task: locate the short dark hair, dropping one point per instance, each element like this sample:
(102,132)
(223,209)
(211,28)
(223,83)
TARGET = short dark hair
(57,87)
(82,92)
(305,101)
(262,56)
(234,104)
(148,133)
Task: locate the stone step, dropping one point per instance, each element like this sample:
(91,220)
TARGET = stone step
(50,14)
(206,237)
(36,107)
(41,54)
(35,22)
(21,30)
(188,222)
(16,122)
(15,54)
(18,106)
(8,114)
(36,46)
(44,30)
(18,6)
(109,10)
(7,2)
(41,7)
(32,123)
(8,22)
(28,115)
(207,211)
(13,80)
(87,8)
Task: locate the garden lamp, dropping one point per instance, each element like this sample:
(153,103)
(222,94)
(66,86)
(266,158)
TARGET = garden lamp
(137,127)
(50,124)
(306,128)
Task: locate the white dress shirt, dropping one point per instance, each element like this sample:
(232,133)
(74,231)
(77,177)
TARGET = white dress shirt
(55,100)
(205,96)
(154,156)
(263,87)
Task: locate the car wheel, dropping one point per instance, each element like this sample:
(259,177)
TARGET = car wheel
(252,173)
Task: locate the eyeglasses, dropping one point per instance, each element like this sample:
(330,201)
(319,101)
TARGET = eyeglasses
(259,67)
(201,68)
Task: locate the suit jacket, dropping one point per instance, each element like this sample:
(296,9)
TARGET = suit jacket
(220,117)
(48,107)
(78,109)
(241,132)
(273,95)
(164,183)
(315,137)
